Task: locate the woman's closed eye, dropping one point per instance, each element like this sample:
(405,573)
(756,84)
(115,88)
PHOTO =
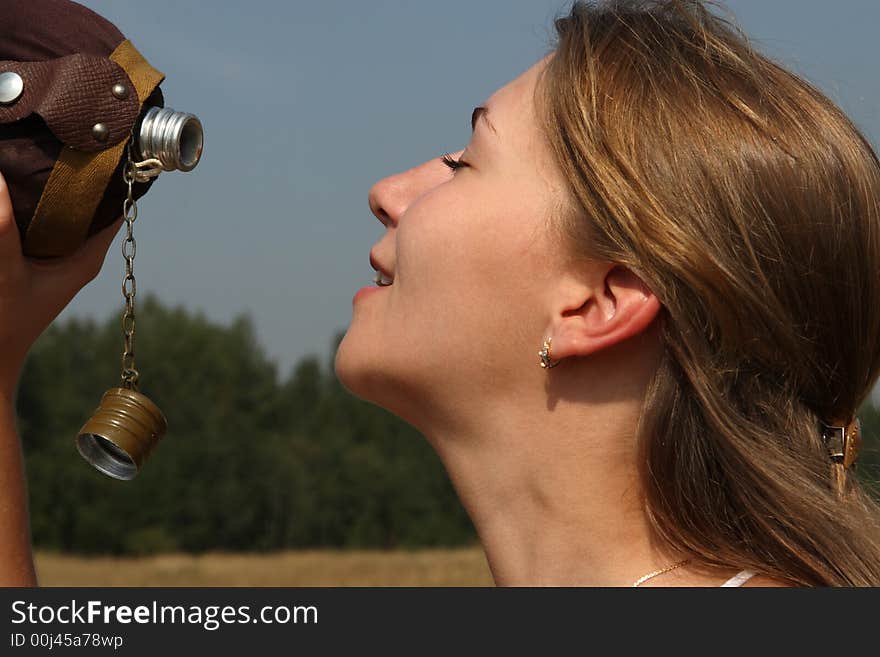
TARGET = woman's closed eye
(454,164)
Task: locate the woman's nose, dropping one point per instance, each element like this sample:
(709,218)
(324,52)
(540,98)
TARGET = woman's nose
(387,199)
(390,197)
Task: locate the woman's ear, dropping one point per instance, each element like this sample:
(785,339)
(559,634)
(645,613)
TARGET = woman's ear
(613,306)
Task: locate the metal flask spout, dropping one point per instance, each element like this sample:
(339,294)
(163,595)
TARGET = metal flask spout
(174,138)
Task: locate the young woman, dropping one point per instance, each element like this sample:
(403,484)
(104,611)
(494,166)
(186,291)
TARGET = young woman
(623,315)
(689,235)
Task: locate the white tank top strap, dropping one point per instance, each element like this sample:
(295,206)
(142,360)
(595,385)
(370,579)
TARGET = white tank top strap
(740,578)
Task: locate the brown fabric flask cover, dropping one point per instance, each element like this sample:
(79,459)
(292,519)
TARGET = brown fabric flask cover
(62,52)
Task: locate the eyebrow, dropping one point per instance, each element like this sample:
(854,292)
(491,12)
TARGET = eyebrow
(481,113)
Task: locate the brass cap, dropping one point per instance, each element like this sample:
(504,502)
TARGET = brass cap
(121,433)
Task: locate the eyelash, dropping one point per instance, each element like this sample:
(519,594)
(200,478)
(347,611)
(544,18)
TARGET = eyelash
(453,164)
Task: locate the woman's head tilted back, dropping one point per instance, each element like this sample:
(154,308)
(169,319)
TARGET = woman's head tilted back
(750,205)
(698,230)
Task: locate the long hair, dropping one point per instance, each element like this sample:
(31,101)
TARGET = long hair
(750,205)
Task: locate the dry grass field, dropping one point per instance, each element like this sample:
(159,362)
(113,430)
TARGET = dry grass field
(436,567)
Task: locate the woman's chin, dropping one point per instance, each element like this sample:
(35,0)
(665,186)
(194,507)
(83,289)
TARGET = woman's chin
(378,380)
(356,370)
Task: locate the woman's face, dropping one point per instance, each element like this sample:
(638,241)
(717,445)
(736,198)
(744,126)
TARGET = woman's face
(470,253)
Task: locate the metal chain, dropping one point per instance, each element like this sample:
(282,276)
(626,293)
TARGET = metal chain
(133,172)
(129,284)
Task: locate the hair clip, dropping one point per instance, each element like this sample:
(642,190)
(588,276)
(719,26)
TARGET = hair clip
(843,441)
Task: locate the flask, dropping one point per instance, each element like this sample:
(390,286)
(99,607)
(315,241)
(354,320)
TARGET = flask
(83,135)
(73,93)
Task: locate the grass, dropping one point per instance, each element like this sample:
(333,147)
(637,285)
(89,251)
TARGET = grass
(434,567)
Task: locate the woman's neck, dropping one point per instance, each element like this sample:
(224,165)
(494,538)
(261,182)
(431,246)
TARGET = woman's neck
(554,493)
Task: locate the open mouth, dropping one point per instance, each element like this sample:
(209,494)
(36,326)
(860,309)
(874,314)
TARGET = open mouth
(382,280)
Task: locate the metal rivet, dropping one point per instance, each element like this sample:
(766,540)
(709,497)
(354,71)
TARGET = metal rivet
(120,91)
(11,87)
(100,132)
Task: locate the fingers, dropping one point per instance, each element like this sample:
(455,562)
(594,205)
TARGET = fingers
(62,278)
(10,242)
(89,259)
(34,291)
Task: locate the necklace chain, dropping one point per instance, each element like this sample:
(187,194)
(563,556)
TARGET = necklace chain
(644,578)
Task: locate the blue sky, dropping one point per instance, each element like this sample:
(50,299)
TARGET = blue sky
(306,104)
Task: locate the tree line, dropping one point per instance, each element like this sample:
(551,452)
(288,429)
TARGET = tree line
(253,460)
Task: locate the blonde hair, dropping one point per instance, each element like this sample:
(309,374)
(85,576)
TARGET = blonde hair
(750,205)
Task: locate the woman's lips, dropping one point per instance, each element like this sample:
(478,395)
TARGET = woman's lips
(367,291)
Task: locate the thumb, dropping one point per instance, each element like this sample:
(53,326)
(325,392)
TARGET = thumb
(10,240)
